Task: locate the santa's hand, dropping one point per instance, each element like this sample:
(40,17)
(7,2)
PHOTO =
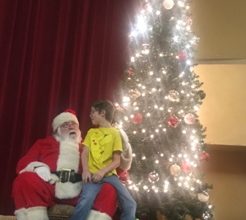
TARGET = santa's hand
(43,172)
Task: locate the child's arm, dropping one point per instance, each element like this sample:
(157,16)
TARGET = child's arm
(113,165)
(86,175)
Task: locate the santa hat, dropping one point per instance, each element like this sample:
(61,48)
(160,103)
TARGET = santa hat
(67,115)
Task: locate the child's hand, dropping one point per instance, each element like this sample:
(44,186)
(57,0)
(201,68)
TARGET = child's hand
(97,177)
(86,176)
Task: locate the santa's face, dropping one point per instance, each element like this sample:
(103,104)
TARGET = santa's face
(69,131)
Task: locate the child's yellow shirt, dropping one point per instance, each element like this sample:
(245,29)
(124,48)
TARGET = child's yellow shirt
(102,142)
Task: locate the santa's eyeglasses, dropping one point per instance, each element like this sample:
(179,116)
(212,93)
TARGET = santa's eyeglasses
(69,124)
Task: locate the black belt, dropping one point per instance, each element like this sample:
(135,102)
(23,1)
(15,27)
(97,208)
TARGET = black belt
(68,175)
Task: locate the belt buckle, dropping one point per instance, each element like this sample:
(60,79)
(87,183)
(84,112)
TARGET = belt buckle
(65,175)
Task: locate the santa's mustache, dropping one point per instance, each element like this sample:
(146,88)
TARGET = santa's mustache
(71,135)
(73,132)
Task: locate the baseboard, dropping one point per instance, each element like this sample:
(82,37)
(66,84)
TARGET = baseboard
(7,217)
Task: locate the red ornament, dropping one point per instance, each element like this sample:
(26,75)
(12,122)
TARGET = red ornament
(204,155)
(137,118)
(186,167)
(173,121)
(182,55)
(130,71)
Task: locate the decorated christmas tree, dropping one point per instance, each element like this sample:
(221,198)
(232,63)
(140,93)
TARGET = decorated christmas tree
(160,97)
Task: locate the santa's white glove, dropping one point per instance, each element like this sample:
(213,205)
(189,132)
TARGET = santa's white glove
(43,172)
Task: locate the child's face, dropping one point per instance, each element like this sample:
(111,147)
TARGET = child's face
(96,117)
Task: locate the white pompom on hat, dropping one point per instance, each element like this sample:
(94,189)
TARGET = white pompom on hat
(67,115)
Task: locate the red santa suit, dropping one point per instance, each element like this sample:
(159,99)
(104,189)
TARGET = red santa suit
(32,195)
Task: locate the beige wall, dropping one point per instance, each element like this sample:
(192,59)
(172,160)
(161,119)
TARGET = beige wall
(226,170)
(220,25)
(224,114)
(224,109)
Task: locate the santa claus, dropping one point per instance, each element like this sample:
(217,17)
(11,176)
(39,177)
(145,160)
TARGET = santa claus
(50,173)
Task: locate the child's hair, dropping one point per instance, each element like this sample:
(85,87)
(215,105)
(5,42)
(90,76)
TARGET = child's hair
(107,106)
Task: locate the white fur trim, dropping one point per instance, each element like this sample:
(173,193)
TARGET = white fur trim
(63,117)
(67,190)
(126,156)
(69,158)
(37,213)
(31,166)
(96,215)
(21,214)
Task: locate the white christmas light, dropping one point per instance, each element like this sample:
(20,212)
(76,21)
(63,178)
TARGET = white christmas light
(125,118)
(145,187)
(168,4)
(176,39)
(141,26)
(181,4)
(146,51)
(126,100)
(188,62)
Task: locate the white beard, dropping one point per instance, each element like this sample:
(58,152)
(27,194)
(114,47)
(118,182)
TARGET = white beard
(72,136)
(68,158)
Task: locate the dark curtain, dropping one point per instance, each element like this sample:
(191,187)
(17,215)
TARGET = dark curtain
(54,54)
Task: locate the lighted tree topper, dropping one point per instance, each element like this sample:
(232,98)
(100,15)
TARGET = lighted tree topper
(161,95)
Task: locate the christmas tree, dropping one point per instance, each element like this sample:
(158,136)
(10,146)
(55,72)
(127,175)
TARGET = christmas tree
(161,95)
